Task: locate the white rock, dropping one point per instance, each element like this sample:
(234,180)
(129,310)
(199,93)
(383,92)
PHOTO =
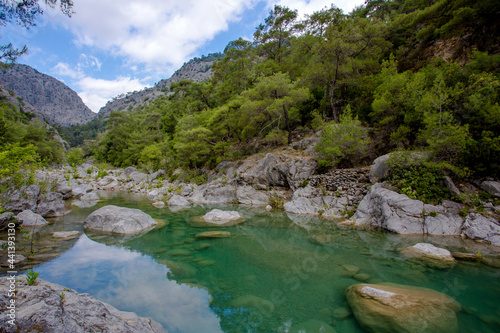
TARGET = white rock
(178,200)
(28,218)
(218,216)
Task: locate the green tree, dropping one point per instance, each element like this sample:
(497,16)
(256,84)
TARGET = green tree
(273,38)
(349,48)
(345,141)
(25,13)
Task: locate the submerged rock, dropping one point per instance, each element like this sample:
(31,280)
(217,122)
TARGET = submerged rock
(159,204)
(254,302)
(214,234)
(431,255)
(397,308)
(44,309)
(119,220)
(312,325)
(65,234)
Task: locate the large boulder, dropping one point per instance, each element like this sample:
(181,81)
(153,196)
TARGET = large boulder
(397,308)
(222,217)
(250,196)
(50,205)
(299,170)
(28,219)
(178,200)
(398,213)
(429,254)
(483,228)
(270,171)
(22,199)
(129,170)
(80,190)
(379,168)
(49,307)
(491,187)
(120,220)
(212,193)
(138,177)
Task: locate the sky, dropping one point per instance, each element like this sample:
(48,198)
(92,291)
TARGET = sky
(110,47)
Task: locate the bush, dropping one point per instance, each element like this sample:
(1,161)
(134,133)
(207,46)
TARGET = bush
(18,164)
(74,157)
(346,140)
(419,178)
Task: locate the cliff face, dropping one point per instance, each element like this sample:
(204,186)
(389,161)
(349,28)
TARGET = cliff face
(55,101)
(197,70)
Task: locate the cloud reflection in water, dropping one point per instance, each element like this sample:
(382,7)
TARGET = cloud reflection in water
(134,282)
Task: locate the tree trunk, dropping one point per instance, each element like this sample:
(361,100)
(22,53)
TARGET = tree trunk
(287,123)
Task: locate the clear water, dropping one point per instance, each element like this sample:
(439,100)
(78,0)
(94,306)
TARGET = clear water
(276,271)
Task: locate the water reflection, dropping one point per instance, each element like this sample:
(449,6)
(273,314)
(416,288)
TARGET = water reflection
(134,282)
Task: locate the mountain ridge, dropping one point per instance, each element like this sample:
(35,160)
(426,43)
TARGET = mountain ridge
(197,70)
(54,100)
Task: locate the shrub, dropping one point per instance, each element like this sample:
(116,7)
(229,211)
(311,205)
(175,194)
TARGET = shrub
(417,177)
(31,277)
(346,140)
(74,157)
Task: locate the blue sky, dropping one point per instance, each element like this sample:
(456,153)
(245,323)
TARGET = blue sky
(110,47)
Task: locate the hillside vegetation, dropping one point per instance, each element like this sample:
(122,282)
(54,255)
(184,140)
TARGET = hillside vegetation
(392,75)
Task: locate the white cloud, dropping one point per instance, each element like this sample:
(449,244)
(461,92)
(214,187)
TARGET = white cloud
(152,32)
(63,69)
(311,6)
(96,92)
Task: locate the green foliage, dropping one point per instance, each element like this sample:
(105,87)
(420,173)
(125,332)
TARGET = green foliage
(346,140)
(74,157)
(101,173)
(18,165)
(275,200)
(417,177)
(31,277)
(381,63)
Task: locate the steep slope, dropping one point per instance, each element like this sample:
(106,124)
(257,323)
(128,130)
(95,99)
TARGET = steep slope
(196,69)
(53,99)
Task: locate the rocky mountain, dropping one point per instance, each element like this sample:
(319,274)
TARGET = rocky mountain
(26,108)
(56,102)
(197,69)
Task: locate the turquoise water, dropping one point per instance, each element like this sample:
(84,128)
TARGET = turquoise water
(275,271)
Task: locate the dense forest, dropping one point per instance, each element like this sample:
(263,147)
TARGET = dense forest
(408,75)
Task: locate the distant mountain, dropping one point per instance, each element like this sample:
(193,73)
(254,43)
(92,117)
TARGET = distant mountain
(28,111)
(197,69)
(52,99)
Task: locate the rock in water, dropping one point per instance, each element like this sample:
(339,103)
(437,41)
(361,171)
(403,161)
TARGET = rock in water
(254,302)
(397,308)
(42,308)
(313,325)
(433,256)
(221,217)
(28,218)
(120,220)
(178,200)
(214,234)
(65,234)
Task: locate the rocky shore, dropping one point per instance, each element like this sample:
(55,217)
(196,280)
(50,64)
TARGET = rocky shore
(282,180)
(49,307)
